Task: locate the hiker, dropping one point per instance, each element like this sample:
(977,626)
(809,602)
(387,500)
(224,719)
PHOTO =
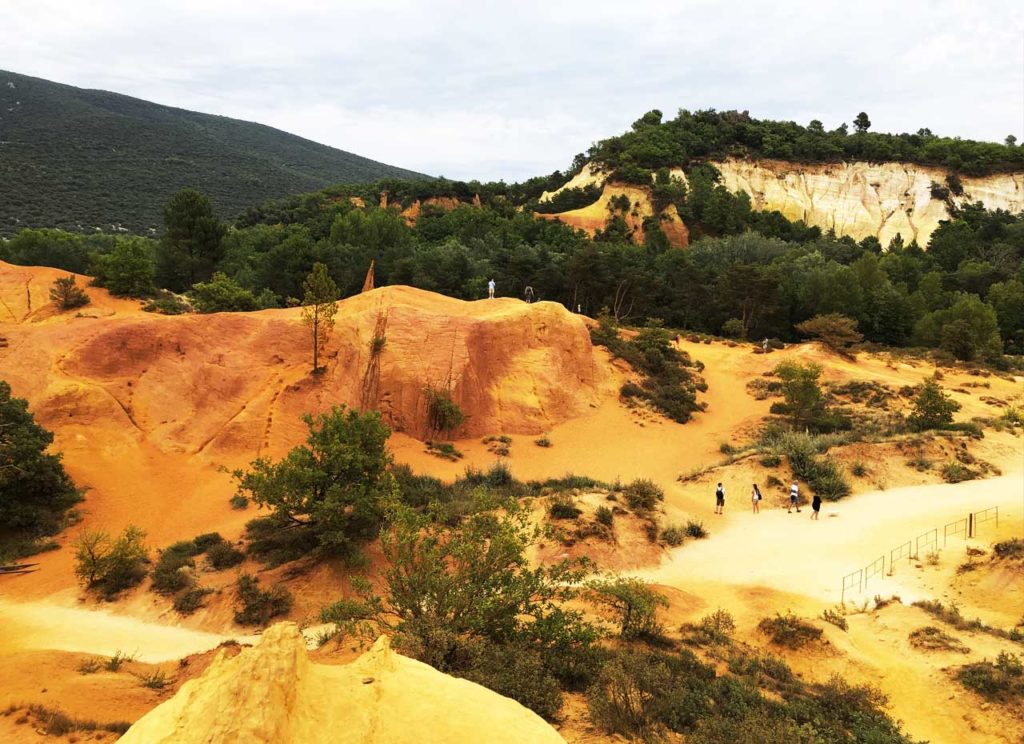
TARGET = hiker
(764,346)
(755,499)
(816,505)
(490,289)
(719,499)
(794,499)
(529,294)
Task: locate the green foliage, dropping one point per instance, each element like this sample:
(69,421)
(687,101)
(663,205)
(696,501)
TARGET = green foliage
(66,294)
(716,628)
(1001,681)
(464,598)
(673,535)
(632,604)
(222,294)
(327,496)
(835,617)
(1012,548)
(695,529)
(259,606)
(170,574)
(562,507)
(191,244)
(109,565)
(788,630)
(127,270)
(956,472)
(224,555)
(605,516)
(568,199)
(836,331)
(822,474)
(933,409)
(643,494)
(319,306)
(35,491)
(443,413)
(166,303)
(114,159)
(930,638)
(968,329)
(190,600)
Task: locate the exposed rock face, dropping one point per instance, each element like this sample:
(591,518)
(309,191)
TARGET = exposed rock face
(273,694)
(855,199)
(862,199)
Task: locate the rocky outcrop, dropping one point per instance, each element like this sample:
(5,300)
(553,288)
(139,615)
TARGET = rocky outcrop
(855,199)
(274,694)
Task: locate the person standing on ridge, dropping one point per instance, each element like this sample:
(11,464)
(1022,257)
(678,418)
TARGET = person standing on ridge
(719,499)
(490,289)
(816,506)
(794,499)
(528,293)
(755,499)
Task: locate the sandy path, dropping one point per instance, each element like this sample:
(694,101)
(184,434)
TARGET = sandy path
(44,625)
(791,553)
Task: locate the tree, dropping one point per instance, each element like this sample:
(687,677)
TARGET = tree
(1011,140)
(804,400)
(327,496)
(968,329)
(111,565)
(66,294)
(319,307)
(191,246)
(222,294)
(862,123)
(35,491)
(836,331)
(127,270)
(933,409)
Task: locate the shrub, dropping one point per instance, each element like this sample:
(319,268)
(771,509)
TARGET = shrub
(930,638)
(954,472)
(444,450)
(443,414)
(837,332)
(90,666)
(189,601)
(562,507)
(1012,548)
(166,303)
(836,618)
(542,442)
(169,574)
(224,555)
(630,389)
(206,541)
(238,501)
(696,530)
(788,630)
(643,494)
(933,409)
(771,461)
(733,328)
(673,535)
(716,628)
(1002,681)
(222,294)
(111,565)
(859,469)
(119,659)
(605,516)
(633,605)
(259,606)
(154,680)
(519,673)
(66,294)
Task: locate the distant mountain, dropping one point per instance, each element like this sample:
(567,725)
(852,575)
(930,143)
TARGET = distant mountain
(85,159)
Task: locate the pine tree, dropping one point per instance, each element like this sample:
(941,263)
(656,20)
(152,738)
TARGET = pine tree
(319,308)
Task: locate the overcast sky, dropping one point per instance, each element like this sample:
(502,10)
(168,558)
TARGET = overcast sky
(509,90)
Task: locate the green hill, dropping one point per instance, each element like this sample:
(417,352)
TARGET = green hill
(85,159)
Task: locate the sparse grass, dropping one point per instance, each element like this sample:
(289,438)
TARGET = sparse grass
(605,516)
(788,630)
(444,450)
(695,530)
(673,535)
(932,557)
(155,680)
(951,615)
(54,722)
(930,638)
(119,659)
(90,666)
(859,469)
(835,617)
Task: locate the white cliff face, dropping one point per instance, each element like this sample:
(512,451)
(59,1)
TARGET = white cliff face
(862,199)
(856,199)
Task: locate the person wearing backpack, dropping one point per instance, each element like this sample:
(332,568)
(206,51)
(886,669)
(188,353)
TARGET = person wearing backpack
(794,499)
(755,499)
(719,499)
(816,506)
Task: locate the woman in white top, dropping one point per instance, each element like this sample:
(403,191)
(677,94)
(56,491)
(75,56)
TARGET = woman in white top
(755,499)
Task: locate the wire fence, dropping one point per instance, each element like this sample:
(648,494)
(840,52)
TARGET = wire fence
(911,549)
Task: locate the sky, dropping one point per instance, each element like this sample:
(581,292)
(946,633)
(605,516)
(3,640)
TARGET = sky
(510,90)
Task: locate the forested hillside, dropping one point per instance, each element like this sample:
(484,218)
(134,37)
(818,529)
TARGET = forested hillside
(88,159)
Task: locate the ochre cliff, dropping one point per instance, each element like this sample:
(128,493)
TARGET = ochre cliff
(855,199)
(274,694)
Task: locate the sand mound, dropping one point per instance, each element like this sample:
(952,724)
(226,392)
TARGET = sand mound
(273,693)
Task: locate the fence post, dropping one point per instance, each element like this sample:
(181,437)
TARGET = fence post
(970,525)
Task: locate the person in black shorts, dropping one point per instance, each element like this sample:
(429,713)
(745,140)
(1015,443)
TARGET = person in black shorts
(719,499)
(816,506)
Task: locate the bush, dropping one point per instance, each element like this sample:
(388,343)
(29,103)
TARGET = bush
(835,331)
(563,508)
(119,659)
(673,535)
(111,565)
(788,630)
(238,501)
(605,516)
(259,606)
(954,472)
(733,328)
(167,303)
(444,450)
(224,555)
(154,680)
(66,294)
(443,414)
(859,469)
(643,494)
(188,602)
(836,618)
(542,442)
(716,628)
(519,673)
(933,409)
(1002,681)
(696,530)
(222,294)
(930,638)
(206,541)
(771,461)
(632,604)
(1012,548)
(170,574)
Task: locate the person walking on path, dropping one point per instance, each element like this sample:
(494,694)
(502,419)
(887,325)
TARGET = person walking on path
(719,499)
(794,499)
(755,499)
(490,289)
(528,292)
(816,506)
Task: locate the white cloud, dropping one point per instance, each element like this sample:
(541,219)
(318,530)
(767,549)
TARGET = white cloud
(508,90)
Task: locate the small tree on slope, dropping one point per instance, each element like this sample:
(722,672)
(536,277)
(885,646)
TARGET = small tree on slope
(319,308)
